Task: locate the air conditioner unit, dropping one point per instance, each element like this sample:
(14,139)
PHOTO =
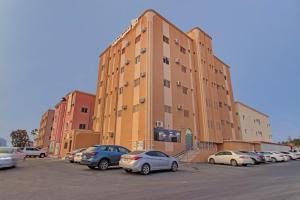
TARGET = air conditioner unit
(124,107)
(127,62)
(176,41)
(127,43)
(177,60)
(143,74)
(178,83)
(142,100)
(126,83)
(159,124)
(144,29)
(179,107)
(143,50)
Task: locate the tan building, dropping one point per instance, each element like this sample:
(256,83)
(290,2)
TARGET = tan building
(161,88)
(253,125)
(44,134)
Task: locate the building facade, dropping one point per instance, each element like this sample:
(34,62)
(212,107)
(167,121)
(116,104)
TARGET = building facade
(253,125)
(161,88)
(74,111)
(44,133)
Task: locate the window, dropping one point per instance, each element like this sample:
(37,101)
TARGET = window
(123,150)
(225,77)
(121,90)
(166,60)
(186,113)
(182,50)
(112,149)
(136,82)
(220,154)
(161,154)
(168,109)
(137,59)
(183,68)
(82,126)
(122,69)
(65,145)
(165,135)
(123,50)
(166,39)
(138,38)
(84,110)
(167,83)
(184,90)
(135,108)
(220,104)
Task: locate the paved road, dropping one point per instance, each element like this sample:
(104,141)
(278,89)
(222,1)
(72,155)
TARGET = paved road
(43,179)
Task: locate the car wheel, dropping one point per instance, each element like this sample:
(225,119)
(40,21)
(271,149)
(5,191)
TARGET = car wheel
(145,169)
(234,163)
(103,164)
(71,161)
(42,155)
(127,170)
(212,161)
(91,167)
(174,167)
(273,159)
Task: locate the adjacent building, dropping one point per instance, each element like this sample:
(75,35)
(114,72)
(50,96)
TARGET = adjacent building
(253,125)
(43,138)
(73,112)
(3,142)
(161,88)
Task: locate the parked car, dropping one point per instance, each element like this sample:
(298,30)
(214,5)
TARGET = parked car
(70,156)
(257,158)
(234,158)
(8,157)
(103,156)
(276,156)
(266,155)
(147,161)
(297,152)
(291,155)
(78,156)
(34,152)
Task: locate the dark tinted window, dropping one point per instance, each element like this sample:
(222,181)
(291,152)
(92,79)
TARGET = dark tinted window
(151,153)
(112,149)
(136,152)
(228,153)
(220,154)
(123,150)
(161,154)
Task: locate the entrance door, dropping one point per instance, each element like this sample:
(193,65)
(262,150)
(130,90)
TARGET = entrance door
(188,140)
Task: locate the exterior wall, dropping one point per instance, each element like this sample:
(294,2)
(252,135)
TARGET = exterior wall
(253,125)
(190,95)
(44,133)
(274,147)
(239,146)
(75,139)
(57,127)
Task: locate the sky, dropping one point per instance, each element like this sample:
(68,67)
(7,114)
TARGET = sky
(49,48)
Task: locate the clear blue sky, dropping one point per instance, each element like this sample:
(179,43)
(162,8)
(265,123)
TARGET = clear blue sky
(48,48)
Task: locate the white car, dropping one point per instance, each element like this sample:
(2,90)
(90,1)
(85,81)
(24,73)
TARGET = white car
(234,158)
(276,156)
(34,152)
(291,155)
(297,152)
(266,155)
(78,156)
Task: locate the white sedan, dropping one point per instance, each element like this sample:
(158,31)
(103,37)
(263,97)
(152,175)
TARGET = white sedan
(234,158)
(78,156)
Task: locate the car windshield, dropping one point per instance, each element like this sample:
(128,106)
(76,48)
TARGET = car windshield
(92,149)
(6,150)
(136,152)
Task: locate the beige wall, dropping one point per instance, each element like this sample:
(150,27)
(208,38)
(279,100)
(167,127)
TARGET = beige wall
(44,133)
(253,125)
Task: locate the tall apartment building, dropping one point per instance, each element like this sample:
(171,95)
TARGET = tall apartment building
(44,134)
(161,88)
(253,125)
(74,112)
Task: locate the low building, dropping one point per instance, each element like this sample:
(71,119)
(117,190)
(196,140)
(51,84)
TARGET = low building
(42,140)
(253,125)
(3,142)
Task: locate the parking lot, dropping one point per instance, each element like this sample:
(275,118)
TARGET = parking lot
(55,179)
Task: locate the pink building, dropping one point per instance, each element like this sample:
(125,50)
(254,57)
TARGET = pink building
(75,111)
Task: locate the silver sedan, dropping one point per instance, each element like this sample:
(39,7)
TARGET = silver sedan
(8,157)
(147,161)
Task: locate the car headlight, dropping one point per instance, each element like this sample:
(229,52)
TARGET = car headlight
(5,158)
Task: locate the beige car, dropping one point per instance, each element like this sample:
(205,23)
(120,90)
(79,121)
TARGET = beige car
(234,158)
